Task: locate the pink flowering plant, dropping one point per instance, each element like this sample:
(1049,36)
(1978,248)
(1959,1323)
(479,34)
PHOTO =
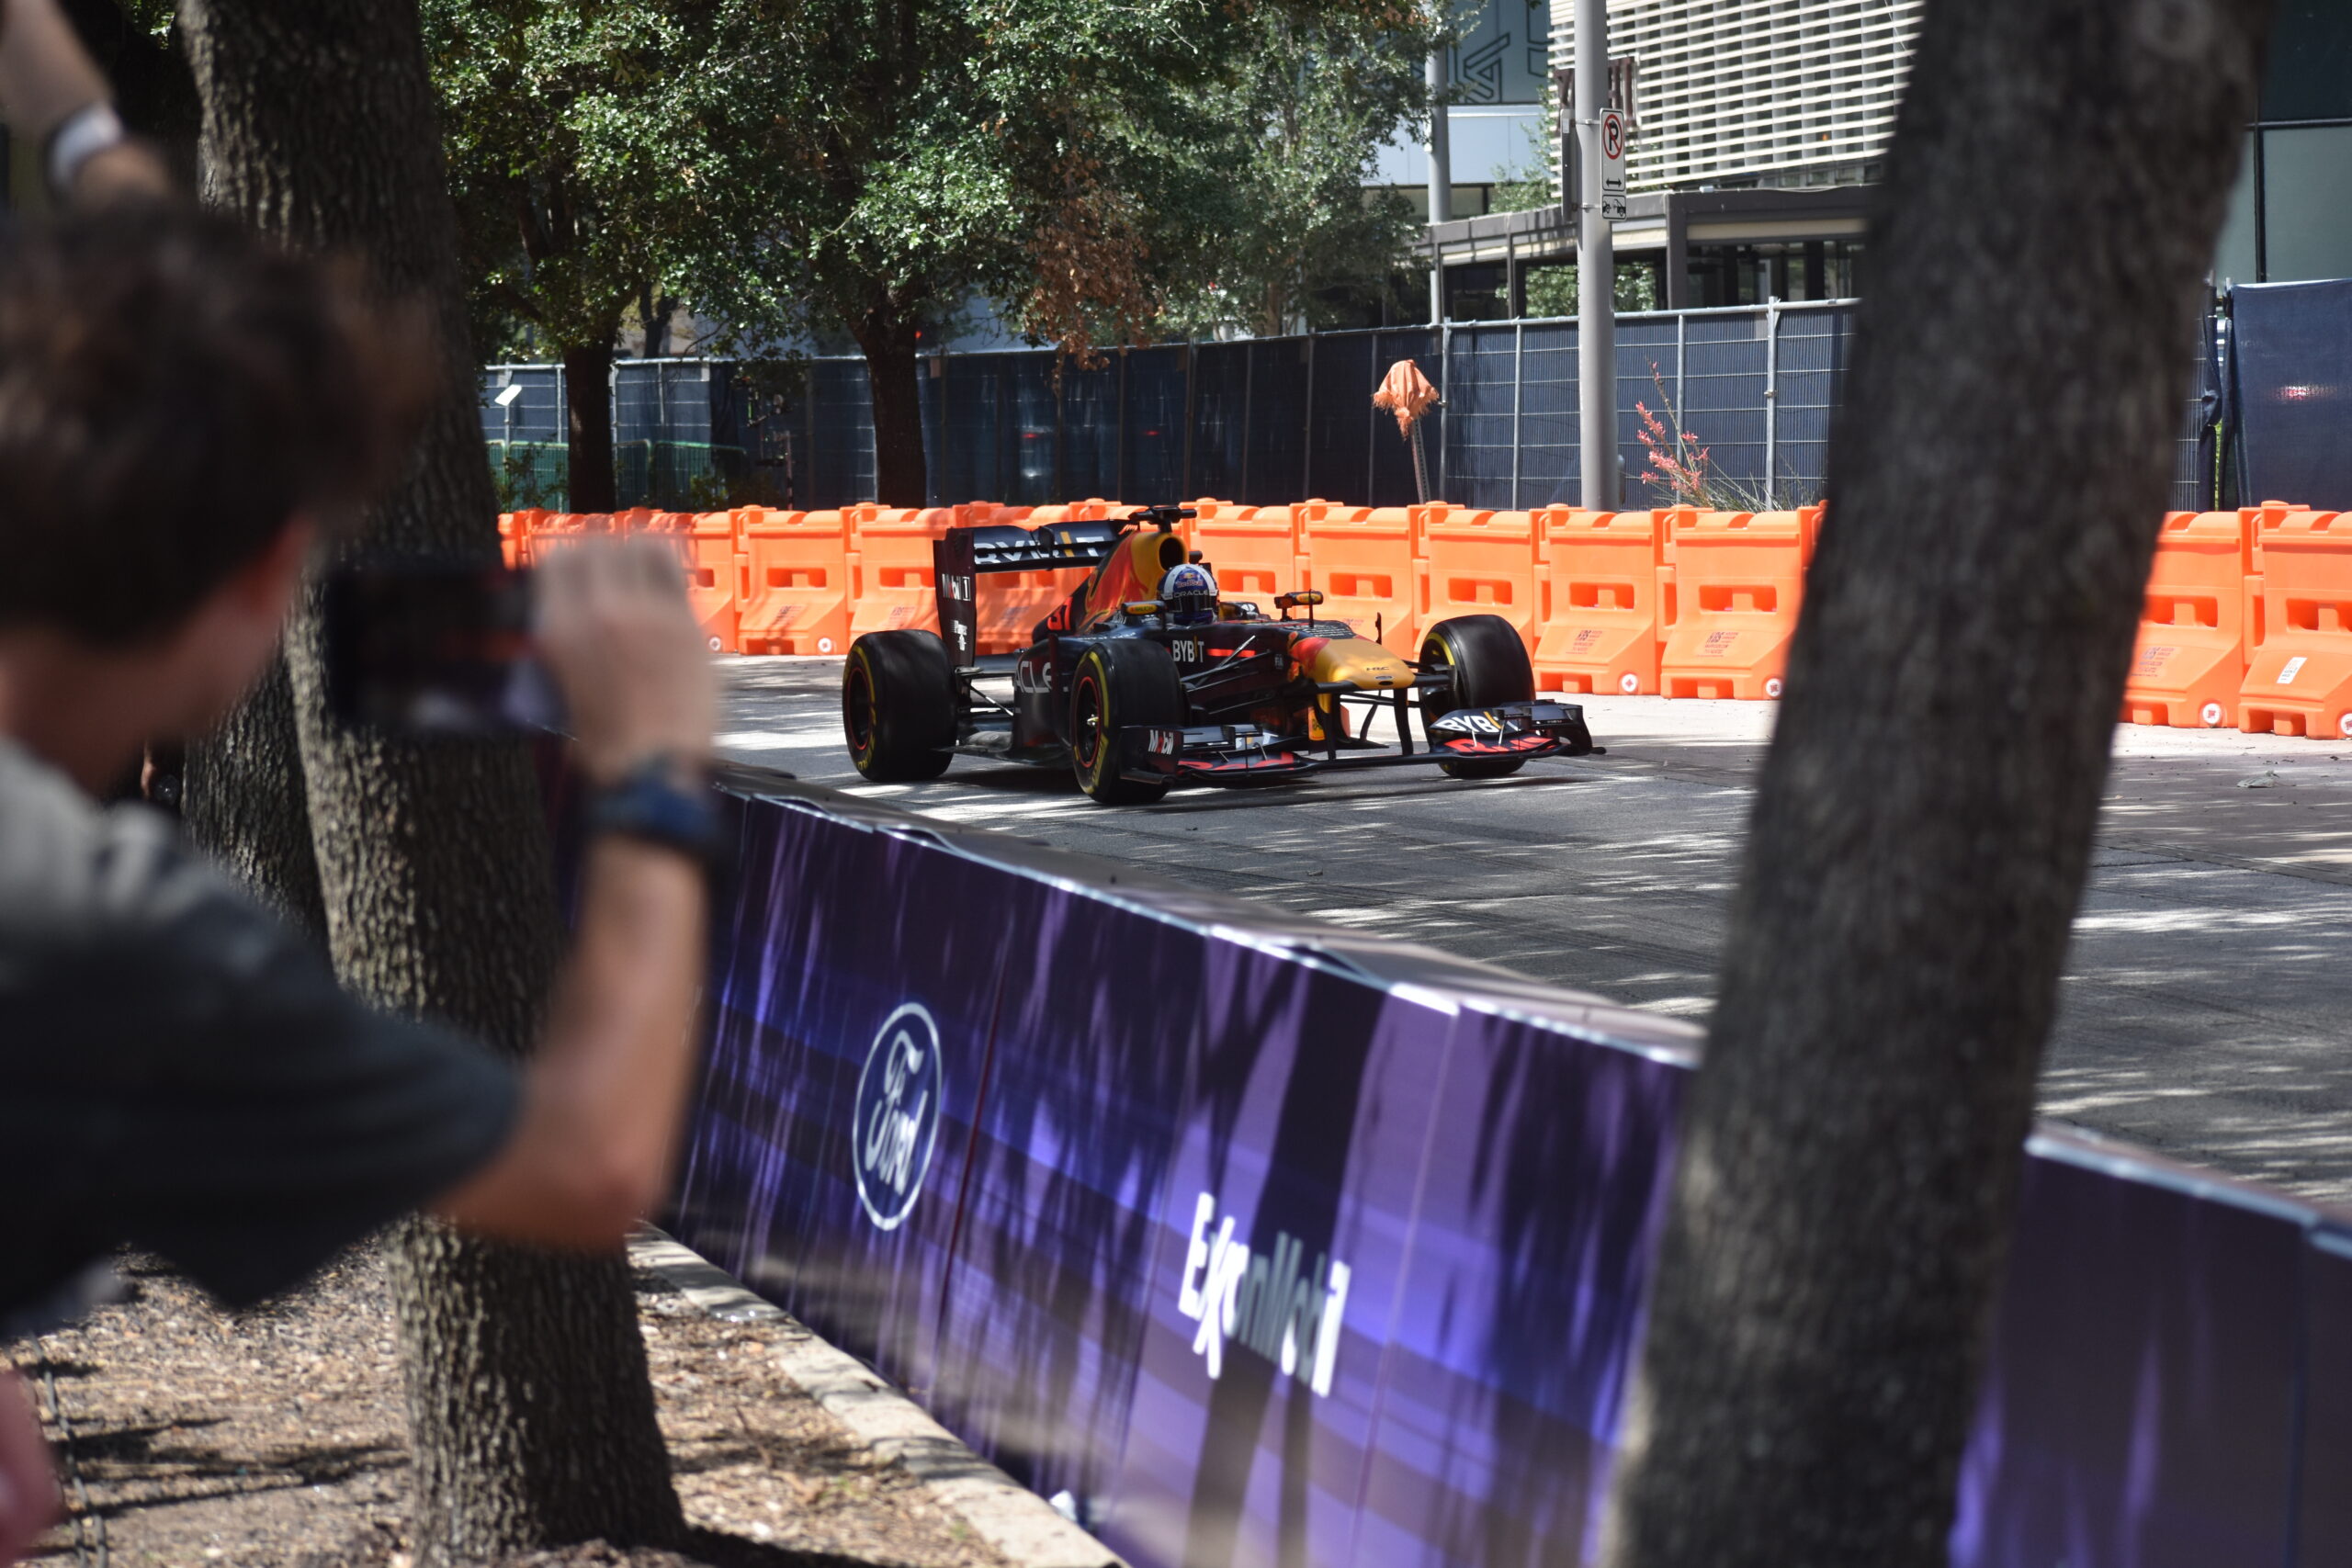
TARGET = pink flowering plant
(1679,469)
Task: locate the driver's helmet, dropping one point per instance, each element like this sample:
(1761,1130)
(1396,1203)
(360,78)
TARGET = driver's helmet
(1187,596)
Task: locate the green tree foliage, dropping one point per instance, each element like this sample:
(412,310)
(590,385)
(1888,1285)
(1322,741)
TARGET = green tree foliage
(870,166)
(595,148)
(1551,290)
(1072,161)
(1291,236)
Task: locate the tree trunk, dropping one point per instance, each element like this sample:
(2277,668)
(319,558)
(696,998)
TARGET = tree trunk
(1852,1146)
(530,1410)
(889,340)
(588,460)
(246,803)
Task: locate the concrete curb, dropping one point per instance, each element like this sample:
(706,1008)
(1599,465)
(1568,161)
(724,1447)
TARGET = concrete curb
(1021,1525)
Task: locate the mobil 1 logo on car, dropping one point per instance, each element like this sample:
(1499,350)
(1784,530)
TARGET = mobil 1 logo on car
(896,1120)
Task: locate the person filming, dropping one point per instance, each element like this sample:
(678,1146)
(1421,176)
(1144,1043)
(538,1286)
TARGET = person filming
(186,413)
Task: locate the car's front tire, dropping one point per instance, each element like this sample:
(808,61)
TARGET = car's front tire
(898,706)
(1117,684)
(1489,667)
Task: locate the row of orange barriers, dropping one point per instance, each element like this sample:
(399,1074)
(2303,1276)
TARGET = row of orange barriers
(1682,602)
(2248,624)
(2248,619)
(764,580)
(1690,604)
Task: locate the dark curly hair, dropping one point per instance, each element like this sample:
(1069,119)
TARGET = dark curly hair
(174,389)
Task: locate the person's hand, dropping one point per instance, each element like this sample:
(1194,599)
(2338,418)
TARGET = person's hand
(128,171)
(615,631)
(29,1501)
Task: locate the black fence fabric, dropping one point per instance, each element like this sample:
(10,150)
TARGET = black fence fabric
(2293,354)
(1272,419)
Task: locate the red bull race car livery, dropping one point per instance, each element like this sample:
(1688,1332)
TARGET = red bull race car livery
(1145,678)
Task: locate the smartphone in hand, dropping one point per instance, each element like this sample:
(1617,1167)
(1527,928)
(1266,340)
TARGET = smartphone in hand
(427,648)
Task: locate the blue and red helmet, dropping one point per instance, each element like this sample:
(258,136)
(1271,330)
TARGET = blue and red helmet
(1187,596)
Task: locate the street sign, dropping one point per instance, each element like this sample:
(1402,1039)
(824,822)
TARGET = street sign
(1613,163)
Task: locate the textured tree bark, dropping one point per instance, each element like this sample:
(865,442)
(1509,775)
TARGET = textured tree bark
(589,481)
(246,803)
(529,1409)
(889,342)
(1840,1215)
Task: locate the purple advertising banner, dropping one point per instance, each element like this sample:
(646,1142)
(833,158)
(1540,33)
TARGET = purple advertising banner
(2324,1483)
(1279,1263)
(1068,1188)
(1541,1198)
(850,1040)
(1250,1243)
(2139,1403)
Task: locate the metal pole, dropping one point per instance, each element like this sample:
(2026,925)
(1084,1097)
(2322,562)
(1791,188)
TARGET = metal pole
(1681,351)
(1190,374)
(1440,179)
(1248,416)
(1771,397)
(1306,463)
(1595,269)
(1518,401)
(1444,385)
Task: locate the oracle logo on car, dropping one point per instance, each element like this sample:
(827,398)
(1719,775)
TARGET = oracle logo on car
(897,1117)
(1263,1303)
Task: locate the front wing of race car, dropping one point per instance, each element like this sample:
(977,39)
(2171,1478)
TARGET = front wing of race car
(1242,753)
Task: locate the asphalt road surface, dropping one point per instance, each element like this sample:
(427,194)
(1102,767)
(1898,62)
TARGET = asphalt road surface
(2208,998)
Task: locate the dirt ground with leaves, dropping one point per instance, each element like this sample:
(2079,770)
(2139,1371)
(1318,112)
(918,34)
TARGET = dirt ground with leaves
(188,1435)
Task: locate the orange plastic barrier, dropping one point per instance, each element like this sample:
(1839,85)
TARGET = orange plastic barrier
(1252,549)
(2298,679)
(1596,623)
(712,579)
(791,581)
(515,531)
(1737,581)
(2266,517)
(890,578)
(1094,509)
(2191,656)
(1362,560)
(1476,563)
(557,529)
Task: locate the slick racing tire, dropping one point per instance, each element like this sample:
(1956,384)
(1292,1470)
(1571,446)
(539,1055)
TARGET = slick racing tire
(1489,667)
(898,706)
(1117,684)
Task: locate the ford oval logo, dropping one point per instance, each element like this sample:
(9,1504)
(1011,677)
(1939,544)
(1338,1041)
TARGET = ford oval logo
(898,1115)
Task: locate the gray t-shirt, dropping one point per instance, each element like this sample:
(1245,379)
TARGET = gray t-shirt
(180,1071)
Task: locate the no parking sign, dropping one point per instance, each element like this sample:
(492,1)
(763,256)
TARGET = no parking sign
(1613,163)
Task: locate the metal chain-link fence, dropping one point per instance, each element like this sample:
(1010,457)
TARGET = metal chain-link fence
(1743,398)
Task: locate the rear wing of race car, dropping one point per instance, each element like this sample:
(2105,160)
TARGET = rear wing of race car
(962,556)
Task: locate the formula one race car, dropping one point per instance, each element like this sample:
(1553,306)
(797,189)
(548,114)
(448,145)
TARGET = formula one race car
(1145,678)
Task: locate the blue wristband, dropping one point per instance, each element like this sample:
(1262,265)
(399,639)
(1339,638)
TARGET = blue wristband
(649,804)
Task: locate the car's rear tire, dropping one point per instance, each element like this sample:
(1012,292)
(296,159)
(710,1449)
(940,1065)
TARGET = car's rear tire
(1117,684)
(898,706)
(1489,666)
